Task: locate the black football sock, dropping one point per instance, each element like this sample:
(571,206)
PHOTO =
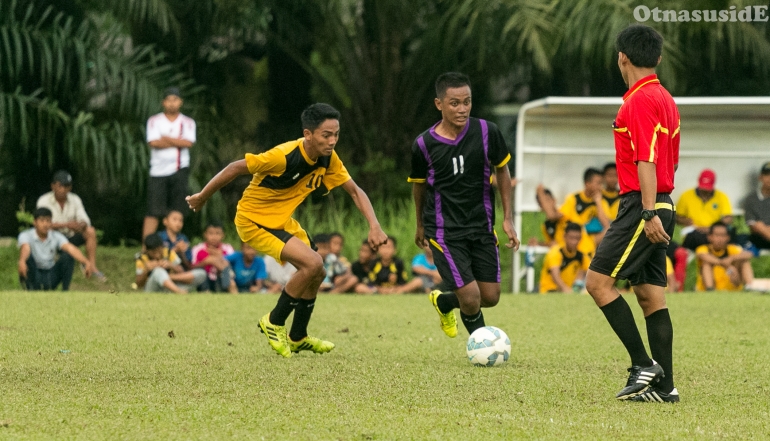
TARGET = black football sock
(283,308)
(473,322)
(447,301)
(660,333)
(621,319)
(302,313)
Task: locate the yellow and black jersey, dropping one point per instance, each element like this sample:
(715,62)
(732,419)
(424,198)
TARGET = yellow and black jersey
(553,232)
(283,177)
(388,275)
(569,264)
(610,203)
(578,208)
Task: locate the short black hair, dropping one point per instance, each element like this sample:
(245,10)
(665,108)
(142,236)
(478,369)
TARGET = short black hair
(214,223)
(590,173)
(393,240)
(450,80)
(718,224)
(315,114)
(641,44)
(322,238)
(153,241)
(572,226)
(41,212)
(609,166)
(334,234)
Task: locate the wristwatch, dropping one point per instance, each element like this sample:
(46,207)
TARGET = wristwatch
(649,214)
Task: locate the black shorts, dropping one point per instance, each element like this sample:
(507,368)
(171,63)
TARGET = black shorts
(626,253)
(77,239)
(167,193)
(460,261)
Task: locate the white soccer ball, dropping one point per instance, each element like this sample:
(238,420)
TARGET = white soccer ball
(488,346)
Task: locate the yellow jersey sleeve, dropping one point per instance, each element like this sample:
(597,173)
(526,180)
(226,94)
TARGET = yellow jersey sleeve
(140,267)
(271,162)
(336,173)
(724,203)
(734,250)
(683,204)
(553,259)
(586,262)
(703,249)
(669,266)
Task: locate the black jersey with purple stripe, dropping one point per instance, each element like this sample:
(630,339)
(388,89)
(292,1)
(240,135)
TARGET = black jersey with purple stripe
(458,172)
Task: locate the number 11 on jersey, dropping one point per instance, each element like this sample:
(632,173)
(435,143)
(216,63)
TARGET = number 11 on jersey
(462,164)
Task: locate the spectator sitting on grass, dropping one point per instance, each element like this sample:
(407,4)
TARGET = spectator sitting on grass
(175,240)
(564,267)
(338,278)
(423,267)
(249,269)
(160,270)
(556,222)
(278,274)
(388,274)
(757,206)
(361,268)
(586,207)
(723,266)
(69,217)
(211,255)
(39,269)
(610,193)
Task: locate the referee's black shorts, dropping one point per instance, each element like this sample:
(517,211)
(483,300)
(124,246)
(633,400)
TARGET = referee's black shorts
(626,253)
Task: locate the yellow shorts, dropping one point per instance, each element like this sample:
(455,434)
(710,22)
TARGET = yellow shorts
(270,241)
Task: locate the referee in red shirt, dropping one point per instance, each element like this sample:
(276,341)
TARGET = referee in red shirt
(634,248)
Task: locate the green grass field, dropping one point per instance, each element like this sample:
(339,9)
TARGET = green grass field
(94,366)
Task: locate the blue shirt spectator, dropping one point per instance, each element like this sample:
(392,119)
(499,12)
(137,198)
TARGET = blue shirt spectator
(171,244)
(247,275)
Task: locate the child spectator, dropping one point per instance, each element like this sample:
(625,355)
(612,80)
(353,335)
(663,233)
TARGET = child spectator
(278,274)
(338,275)
(38,267)
(564,267)
(249,269)
(361,268)
(160,270)
(723,266)
(388,274)
(211,255)
(424,268)
(175,240)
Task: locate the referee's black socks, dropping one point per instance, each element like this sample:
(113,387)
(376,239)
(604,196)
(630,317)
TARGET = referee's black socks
(283,308)
(619,314)
(473,322)
(660,333)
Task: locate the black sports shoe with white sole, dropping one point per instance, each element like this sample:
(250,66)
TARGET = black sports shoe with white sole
(639,379)
(655,395)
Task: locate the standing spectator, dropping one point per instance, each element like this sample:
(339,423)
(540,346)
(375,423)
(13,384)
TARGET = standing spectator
(564,267)
(69,217)
(249,269)
(211,255)
(170,135)
(160,270)
(424,268)
(723,266)
(610,192)
(278,274)
(175,240)
(701,207)
(757,210)
(39,269)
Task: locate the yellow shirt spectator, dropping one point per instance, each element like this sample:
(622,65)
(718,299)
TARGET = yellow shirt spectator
(721,278)
(569,266)
(611,203)
(703,213)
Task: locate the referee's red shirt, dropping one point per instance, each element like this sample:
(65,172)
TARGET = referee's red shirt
(647,129)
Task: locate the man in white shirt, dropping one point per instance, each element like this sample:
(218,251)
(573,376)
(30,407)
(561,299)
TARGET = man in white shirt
(69,217)
(170,135)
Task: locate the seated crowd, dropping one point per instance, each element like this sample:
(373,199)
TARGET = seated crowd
(574,229)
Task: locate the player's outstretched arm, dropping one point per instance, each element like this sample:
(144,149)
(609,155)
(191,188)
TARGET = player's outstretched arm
(418,193)
(376,237)
(232,171)
(503,177)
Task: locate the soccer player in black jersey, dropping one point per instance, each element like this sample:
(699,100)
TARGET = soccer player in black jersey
(452,167)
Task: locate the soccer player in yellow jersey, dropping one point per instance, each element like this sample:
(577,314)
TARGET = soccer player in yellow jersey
(283,177)
(723,266)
